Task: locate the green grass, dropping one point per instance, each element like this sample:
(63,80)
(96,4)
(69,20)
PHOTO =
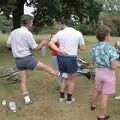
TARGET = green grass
(45,98)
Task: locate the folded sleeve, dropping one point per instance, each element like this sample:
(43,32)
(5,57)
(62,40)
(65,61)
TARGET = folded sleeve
(31,42)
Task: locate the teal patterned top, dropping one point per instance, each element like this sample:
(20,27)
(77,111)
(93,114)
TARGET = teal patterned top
(103,54)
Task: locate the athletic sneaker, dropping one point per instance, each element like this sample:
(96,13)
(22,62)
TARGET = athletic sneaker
(62,99)
(27,100)
(93,107)
(106,118)
(117,97)
(70,101)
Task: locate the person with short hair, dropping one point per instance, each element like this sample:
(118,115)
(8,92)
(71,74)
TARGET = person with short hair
(22,43)
(104,57)
(68,39)
(117,46)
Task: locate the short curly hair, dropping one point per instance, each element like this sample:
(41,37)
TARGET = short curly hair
(102,32)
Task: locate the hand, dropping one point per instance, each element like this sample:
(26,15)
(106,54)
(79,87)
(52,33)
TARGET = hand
(61,52)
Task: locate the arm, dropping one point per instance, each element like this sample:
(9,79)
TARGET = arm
(92,58)
(53,46)
(114,64)
(82,47)
(32,43)
(41,44)
(81,42)
(8,44)
(113,58)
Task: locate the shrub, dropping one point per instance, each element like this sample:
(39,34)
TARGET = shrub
(5,25)
(114,23)
(86,29)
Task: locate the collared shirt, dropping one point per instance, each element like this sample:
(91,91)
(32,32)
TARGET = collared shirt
(22,42)
(103,54)
(69,39)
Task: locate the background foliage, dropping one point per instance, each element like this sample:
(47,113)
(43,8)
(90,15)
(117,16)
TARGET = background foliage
(87,14)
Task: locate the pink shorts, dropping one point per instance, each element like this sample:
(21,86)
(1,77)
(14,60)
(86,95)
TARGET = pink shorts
(105,80)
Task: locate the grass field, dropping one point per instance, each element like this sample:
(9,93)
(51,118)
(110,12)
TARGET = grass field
(45,98)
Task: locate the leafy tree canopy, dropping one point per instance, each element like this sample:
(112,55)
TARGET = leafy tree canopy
(49,10)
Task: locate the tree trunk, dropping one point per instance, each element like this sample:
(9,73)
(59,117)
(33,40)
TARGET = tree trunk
(17,13)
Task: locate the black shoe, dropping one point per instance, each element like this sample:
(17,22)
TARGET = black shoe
(100,118)
(108,117)
(93,107)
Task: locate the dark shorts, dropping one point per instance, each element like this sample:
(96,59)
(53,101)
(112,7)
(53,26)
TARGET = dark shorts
(26,63)
(67,64)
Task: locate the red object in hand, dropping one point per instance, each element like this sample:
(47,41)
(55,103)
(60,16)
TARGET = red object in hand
(54,52)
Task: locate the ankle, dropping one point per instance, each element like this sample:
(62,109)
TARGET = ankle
(93,106)
(25,93)
(107,117)
(62,95)
(69,97)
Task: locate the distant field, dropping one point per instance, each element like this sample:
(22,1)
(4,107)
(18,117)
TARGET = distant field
(45,98)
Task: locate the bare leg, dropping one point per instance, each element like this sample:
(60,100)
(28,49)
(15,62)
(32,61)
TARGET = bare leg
(62,90)
(93,96)
(23,86)
(23,81)
(70,88)
(103,105)
(62,85)
(71,83)
(44,67)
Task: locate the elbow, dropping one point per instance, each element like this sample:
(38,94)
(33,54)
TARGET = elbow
(8,45)
(114,65)
(83,48)
(49,44)
(36,48)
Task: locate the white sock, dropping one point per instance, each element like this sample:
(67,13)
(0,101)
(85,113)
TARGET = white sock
(27,99)
(25,93)
(101,116)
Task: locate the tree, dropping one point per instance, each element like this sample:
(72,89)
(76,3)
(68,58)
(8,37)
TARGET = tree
(94,11)
(5,25)
(46,11)
(14,7)
(49,10)
(112,5)
(18,12)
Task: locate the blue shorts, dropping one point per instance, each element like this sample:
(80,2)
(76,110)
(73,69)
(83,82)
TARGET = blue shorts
(26,63)
(67,64)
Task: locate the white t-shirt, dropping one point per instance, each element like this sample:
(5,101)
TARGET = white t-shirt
(22,42)
(69,39)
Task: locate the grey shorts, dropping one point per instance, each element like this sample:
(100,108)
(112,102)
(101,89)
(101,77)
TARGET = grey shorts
(26,63)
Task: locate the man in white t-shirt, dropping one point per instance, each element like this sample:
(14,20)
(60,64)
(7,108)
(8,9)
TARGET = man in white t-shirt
(69,39)
(22,43)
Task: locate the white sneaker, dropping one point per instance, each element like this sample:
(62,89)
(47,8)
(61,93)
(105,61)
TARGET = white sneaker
(27,100)
(69,102)
(117,97)
(62,99)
